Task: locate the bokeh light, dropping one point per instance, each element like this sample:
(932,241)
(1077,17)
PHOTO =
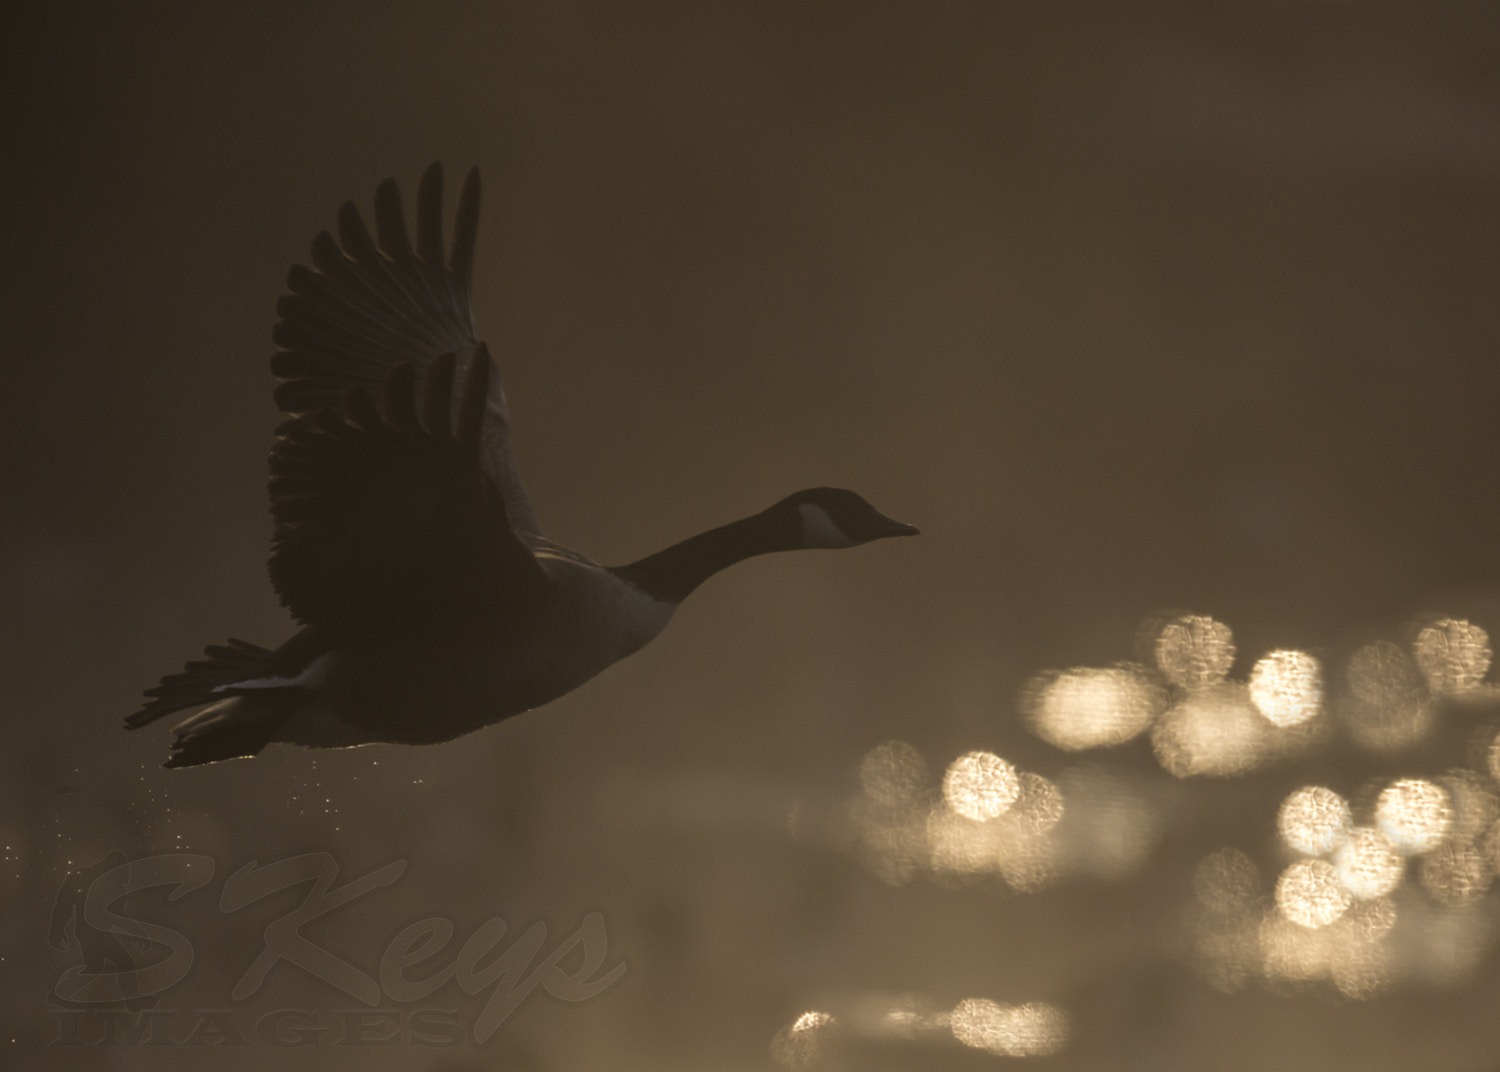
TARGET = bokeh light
(1195,652)
(1213,731)
(980,785)
(1035,1030)
(1453,656)
(804,1043)
(1367,863)
(1351,952)
(978,1022)
(1455,874)
(1030,1030)
(1309,893)
(1287,687)
(1294,953)
(989,819)
(1313,820)
(1414,814)
(1475,806)
(1091,708)
(1361,963)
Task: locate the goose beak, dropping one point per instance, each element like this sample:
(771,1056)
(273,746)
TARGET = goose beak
(889,526)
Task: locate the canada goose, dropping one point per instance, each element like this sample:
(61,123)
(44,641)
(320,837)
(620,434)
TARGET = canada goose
(405,542)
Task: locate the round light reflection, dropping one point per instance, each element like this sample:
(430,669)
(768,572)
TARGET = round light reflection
(1414,814)
(1367,864)
(1093,708)
(1313,820)
(1309,893)
(980,785)
(1287,687)
(1195,651)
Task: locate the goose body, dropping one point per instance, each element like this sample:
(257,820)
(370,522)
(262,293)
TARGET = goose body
(405,540)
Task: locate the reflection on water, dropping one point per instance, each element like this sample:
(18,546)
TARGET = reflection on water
(1309,892)
(1456,874)
(1314,820)
(980,786)
(1329,903)
(1030,1030)
(805,1041)
(1033,1029)
(1368,864)
(1089,708)
(1453,656)
(1212,731)
(1195,652)
(1414,814)
(1092,821)
(1201,722)
(1287,687)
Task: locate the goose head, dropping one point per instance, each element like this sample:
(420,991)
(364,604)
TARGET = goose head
(835,517)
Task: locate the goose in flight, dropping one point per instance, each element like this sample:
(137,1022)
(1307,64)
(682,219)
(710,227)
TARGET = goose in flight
(405,543)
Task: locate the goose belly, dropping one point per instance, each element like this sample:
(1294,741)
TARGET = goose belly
(434,690)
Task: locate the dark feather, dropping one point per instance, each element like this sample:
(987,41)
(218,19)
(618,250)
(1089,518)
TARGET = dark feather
(371,303)
(386,514)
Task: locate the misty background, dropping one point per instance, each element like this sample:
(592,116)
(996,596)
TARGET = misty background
(1133,313)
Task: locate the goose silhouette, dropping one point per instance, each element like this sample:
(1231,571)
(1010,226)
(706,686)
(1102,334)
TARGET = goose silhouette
(405,542)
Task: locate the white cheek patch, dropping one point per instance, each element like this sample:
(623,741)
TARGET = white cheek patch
(818,529)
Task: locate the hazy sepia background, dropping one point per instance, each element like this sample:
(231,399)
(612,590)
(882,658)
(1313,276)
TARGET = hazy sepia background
(1133,314)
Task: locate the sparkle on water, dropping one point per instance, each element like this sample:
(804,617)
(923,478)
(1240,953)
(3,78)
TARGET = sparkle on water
(1015,845)
(1414,814)
(1195,652)
(1329,916)
(1456,873)
(1314,820)
(804,1042)
(1350,952)
(1475,806)
(1367,863)
(1287,687)
(980,785)
(1309,893)
(1092,708)
(1215,730)
(1453,656)
(1031,1030)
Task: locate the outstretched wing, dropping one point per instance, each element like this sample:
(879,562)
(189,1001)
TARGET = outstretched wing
(369,304)
(385,514)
